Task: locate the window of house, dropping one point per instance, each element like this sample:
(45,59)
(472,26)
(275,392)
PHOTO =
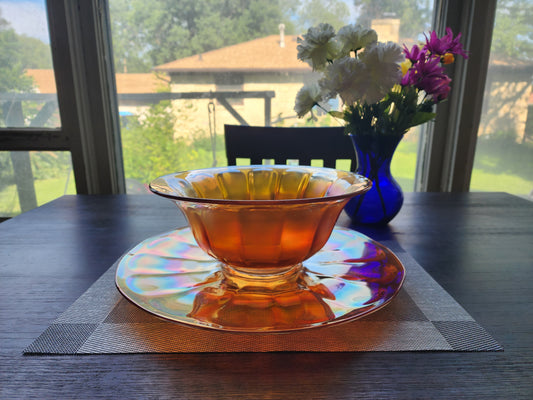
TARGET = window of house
(230,82)
(504,150)
(28,105)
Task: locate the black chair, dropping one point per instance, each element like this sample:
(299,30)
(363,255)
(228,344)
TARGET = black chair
(280,144)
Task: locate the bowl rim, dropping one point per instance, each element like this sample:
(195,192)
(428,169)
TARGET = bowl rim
(364,180)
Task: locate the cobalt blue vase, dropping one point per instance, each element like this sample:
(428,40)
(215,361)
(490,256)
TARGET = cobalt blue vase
(380,204)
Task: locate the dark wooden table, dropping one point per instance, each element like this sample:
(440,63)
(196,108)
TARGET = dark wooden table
(478,246)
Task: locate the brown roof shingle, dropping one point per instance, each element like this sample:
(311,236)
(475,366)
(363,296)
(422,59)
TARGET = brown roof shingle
(126,83)
(263,54)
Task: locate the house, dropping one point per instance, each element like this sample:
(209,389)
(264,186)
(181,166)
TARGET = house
(265,64)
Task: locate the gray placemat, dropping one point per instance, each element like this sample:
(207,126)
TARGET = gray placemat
(422,317)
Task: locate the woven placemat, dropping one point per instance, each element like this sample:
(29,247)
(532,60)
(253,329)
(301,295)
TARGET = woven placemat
(422,317)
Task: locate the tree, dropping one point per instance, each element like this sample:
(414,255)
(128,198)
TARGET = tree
(151,149)
(34,53)
(129,42)
(12,78)
(513,30)
(313,12)
(150,34)
(415,15)
(18,53)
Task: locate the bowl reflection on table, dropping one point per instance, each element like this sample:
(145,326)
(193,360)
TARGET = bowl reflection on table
(264,219)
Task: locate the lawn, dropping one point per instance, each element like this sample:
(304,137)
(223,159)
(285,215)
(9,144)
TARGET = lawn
(503,165)
(45,190)
(403,164)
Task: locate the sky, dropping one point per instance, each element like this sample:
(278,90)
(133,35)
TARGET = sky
(27,17)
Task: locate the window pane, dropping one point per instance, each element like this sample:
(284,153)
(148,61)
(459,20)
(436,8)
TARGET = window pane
(228,62)
(28,99)
(504,152)
(27,85)
(30,179)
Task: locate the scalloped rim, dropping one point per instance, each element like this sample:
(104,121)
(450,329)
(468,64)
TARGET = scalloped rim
(367,185)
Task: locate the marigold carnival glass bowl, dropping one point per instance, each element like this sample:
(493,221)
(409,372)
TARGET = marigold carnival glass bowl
(261,220)
(261,253)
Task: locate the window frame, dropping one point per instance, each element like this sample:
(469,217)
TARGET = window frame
(447,147)
(81,50)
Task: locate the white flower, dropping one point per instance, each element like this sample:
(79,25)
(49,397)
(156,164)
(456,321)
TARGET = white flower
(379,52)
(318,46)
(346,77)
(364,77)
(383,70)
(367,78)
(354,37)
(306,98)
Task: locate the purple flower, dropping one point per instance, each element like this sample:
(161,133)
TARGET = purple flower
(428,75)
(415,54)
(446,44)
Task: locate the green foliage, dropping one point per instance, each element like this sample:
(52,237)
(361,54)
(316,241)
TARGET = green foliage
(313,12)
(6,170)
(150,148)
(50,164)
(149,34)
(12,65)
(414,15)
(34,53)
(394,115)
(18,53)
(513,30)
(44,165)
(501,153)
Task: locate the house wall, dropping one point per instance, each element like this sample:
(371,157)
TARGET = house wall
(193,115)
(507,97)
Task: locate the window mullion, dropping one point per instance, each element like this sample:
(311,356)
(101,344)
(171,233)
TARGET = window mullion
(82,56)
(447,150)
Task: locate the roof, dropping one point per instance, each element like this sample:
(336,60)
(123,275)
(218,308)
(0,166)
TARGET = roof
(44,79)
(263,54)
(126,83)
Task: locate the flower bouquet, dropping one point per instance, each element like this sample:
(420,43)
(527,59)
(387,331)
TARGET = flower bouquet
(385,90)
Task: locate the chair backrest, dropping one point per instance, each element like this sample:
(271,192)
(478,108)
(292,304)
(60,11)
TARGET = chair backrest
(304,144)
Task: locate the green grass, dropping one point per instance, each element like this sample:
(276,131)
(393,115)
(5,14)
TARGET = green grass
(500,182)
(503,165)
(403,164)
(497,179)
(46,190)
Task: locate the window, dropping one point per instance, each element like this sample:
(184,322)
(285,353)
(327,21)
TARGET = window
(28,105)
(504,152)
(230,82)
(220,68)
(159,50)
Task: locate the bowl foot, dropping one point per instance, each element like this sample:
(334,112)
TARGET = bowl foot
(269,280)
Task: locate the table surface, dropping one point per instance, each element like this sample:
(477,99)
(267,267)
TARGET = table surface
(478,246)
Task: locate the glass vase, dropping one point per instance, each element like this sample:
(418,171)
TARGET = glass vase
(381,204)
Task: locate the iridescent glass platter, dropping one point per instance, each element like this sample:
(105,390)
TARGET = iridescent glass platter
(170,276)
